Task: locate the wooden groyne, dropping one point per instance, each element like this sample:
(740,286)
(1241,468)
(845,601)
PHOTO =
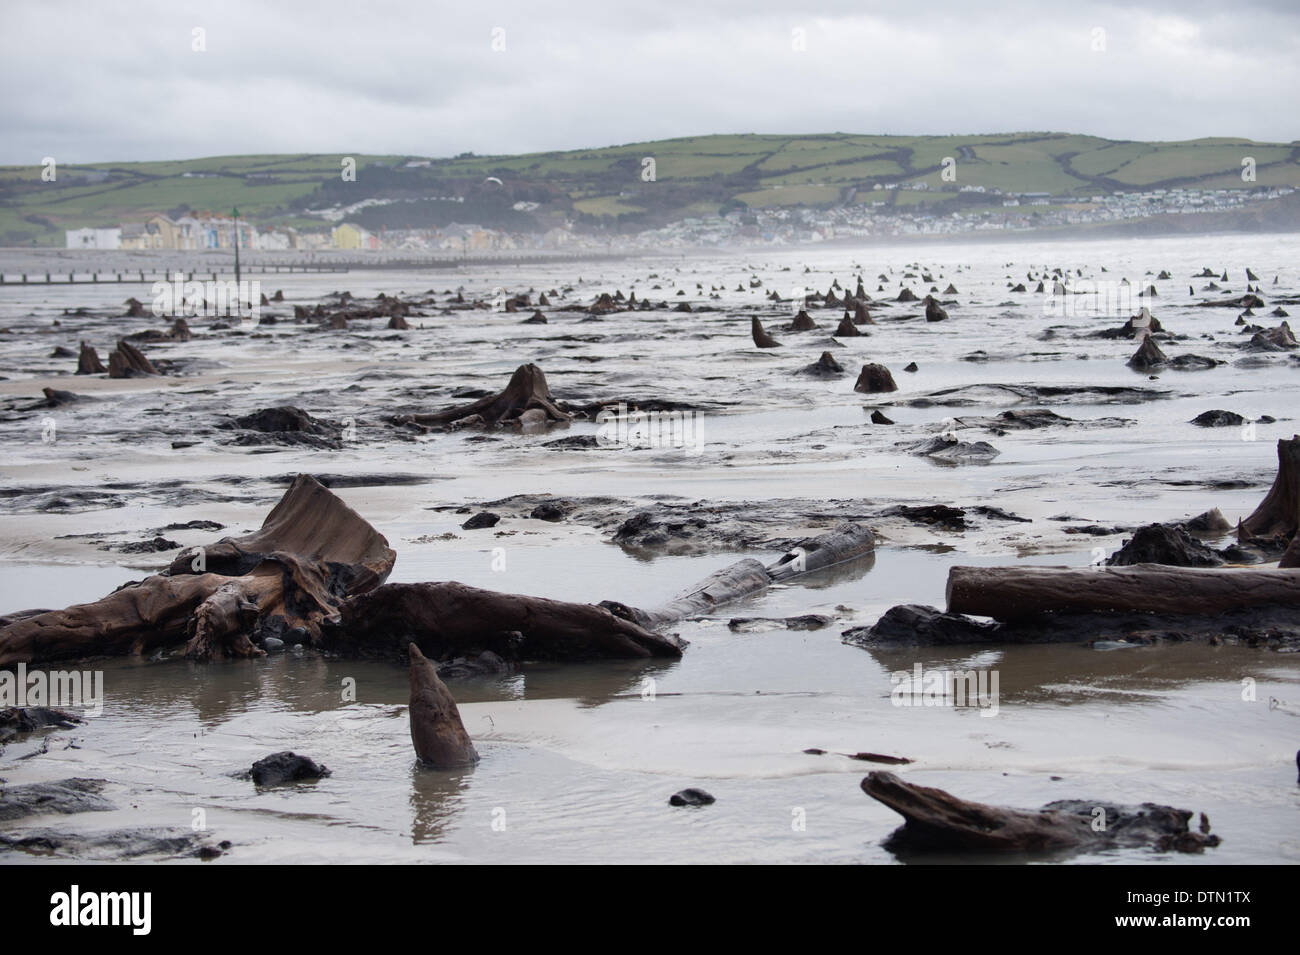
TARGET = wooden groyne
(149,276)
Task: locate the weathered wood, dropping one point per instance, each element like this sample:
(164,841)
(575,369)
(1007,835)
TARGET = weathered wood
(1013,593)
(311,552)
(1279,512)
(437,732)
(937,820)
(748,578)
(745,578)
(761,338)
(527,390)
(848,541)
(450,619)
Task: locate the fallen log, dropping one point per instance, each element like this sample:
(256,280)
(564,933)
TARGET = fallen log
(1014,593)
(451,619)
(310,553)
(749,578)
(937,820)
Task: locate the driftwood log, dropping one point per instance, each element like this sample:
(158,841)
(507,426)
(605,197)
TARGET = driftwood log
(936,820)
(450,619)
(310,553)
(748,578)
(1016,593)
(526,392)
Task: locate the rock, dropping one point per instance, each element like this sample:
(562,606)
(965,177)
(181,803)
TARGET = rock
(398,323)
(917,625)
(691,797)
(1218,419)
(63,797)
(286,424)
(948,448)
(952,518)
(911,367)
(809,621)
(907,295)
(285,767)
(1210,522)
(874,379)
(273,645)
(112,846)
(481,520)
(19,720)
(933,312)
(437,732)
(537,318)
(878,417)
(1164,544)
(154,545)
(552,511)
(860,314)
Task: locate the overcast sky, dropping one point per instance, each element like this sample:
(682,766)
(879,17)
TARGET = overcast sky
(100,81)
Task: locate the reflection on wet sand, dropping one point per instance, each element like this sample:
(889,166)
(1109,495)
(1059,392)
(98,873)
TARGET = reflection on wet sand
(435,800)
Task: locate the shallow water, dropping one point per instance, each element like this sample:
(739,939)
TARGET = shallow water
(577,763)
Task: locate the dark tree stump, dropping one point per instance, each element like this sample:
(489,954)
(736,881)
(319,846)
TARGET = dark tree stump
(526,391)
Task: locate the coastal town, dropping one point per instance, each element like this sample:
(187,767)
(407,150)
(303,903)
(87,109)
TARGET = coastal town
(906,209)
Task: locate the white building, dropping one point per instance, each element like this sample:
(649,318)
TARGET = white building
(94,238)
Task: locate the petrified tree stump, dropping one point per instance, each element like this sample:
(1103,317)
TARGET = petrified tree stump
(527,390)
(761,338)
(1279,512)
(437,732)
(88,362)
(874,379)
(127,361)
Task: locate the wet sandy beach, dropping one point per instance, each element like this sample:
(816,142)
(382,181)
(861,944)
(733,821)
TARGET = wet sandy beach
(579,760)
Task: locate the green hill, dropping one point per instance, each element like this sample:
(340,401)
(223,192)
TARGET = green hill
(604,187)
